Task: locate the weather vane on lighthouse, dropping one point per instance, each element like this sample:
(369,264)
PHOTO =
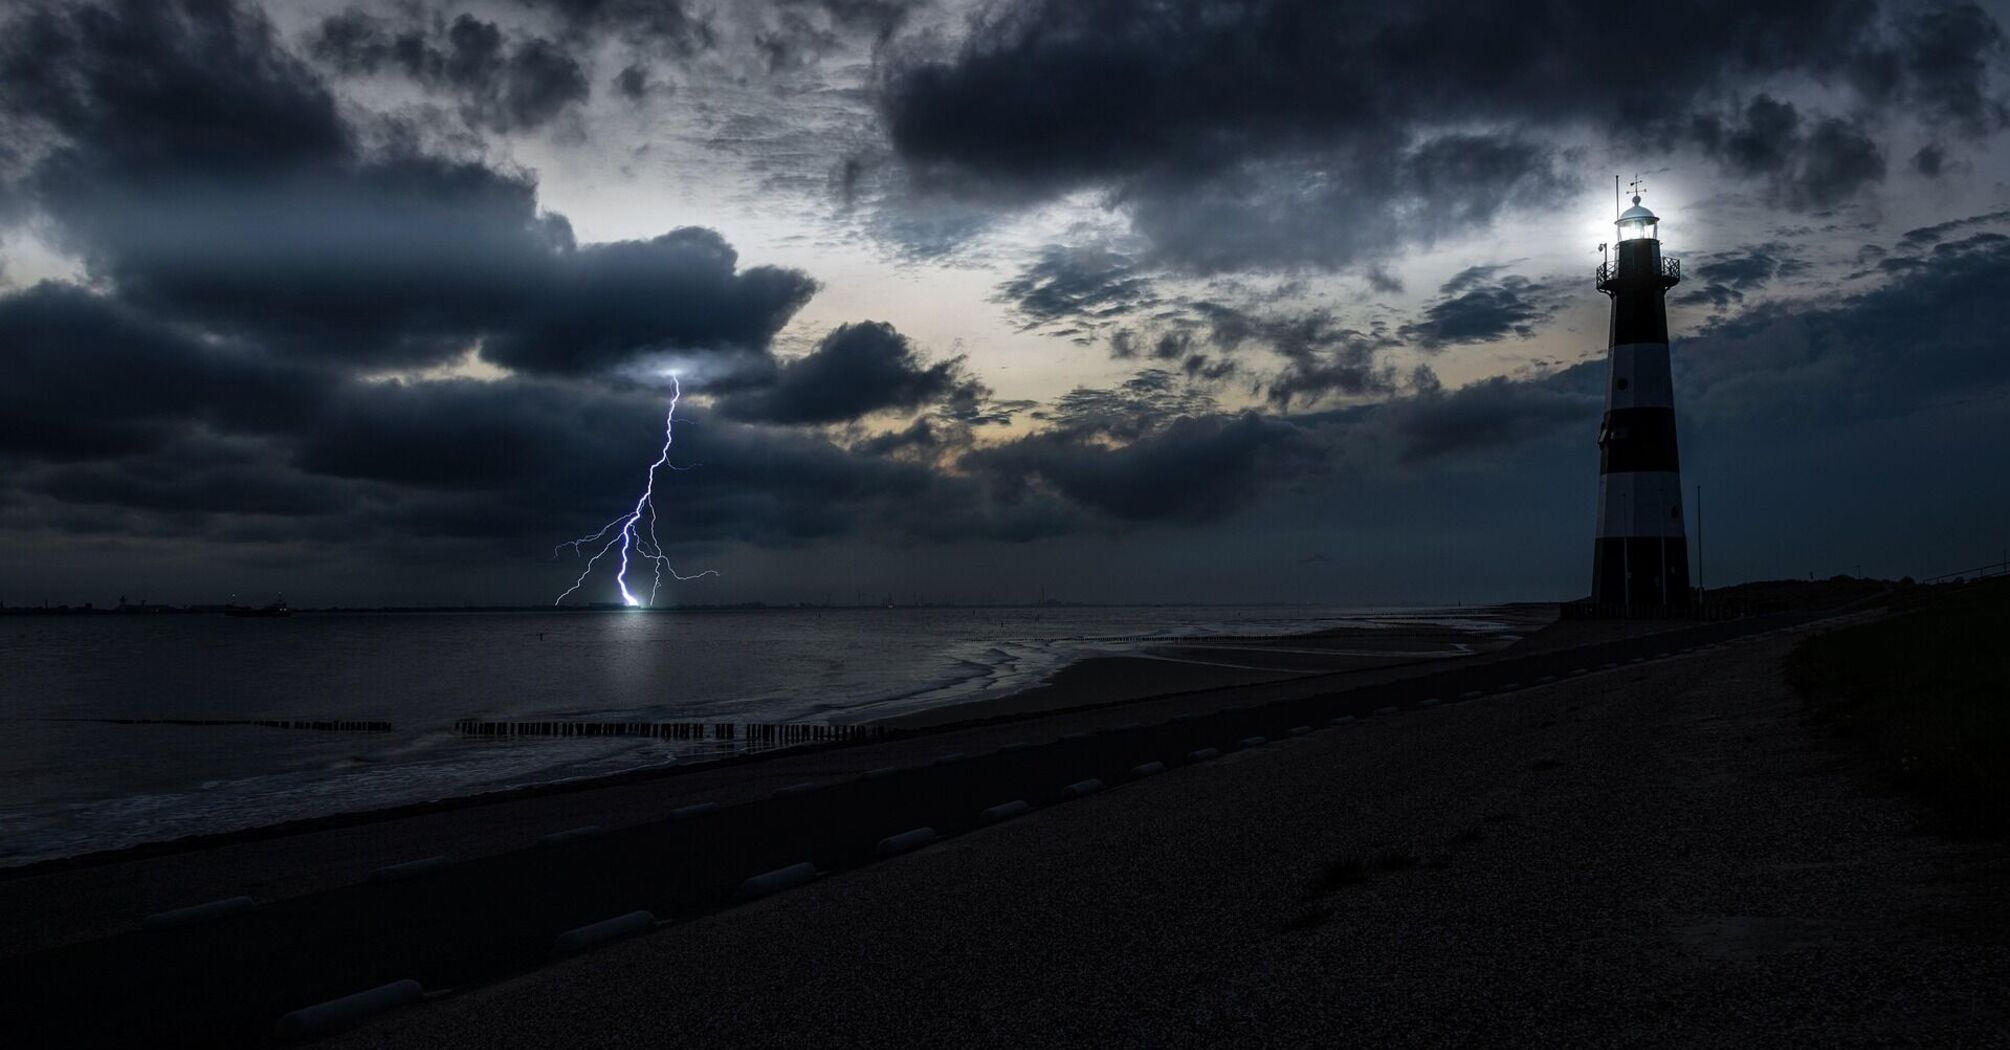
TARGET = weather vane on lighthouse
(1640,562)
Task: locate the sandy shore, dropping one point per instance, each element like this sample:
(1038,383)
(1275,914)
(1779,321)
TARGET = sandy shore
(1332,655)
(323,927)
(1661,855)
(81,898)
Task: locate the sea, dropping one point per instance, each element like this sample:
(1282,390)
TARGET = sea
(81,770)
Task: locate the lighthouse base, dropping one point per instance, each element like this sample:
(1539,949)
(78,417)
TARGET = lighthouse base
(1648,572)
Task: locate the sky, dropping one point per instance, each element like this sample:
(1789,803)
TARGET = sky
(1102,300)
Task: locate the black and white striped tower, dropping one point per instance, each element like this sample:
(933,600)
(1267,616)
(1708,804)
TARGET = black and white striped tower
(1641,563)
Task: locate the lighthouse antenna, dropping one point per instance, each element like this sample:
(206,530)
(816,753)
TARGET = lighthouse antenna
(1615,198)
(1636,187)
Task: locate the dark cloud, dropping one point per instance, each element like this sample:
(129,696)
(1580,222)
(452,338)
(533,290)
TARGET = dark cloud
(227,192)
(1354,202)
(782,34)
(504,467)
(1193,469)
(1139,405)
(668,25)
(882,17)
(1347,366)
(147,90)
(1082,293)
(521,464)
(1213,343)
(87,378)
(1783,374)
(1476,306)
(1928,337)
(1494,413)
(1938,64)
(1923,237)
(1083,287)
(1308,132)
(1804,167)
(1323,357)
(530,461)
(184,481)
(500,85)
(608,303)
(856,370)
(633,82)
(1930,160)
(449,434)
(509,466)
(256,259)
(1722,278)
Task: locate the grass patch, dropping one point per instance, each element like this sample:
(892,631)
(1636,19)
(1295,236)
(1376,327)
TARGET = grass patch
(1928,690)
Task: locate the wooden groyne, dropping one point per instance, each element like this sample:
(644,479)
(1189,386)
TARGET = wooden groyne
(326,725)
(742,734)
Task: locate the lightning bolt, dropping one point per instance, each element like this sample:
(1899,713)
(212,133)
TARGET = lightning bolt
(630,534)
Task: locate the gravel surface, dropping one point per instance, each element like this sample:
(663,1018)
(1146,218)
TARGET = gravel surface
(1660,855)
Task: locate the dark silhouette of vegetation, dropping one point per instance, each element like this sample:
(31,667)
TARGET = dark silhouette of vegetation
(1929,690)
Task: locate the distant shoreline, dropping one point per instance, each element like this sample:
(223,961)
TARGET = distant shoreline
(1186,664)
(615,607)
(1083,684)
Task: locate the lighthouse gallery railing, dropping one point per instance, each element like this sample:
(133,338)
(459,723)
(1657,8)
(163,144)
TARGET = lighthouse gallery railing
(1671,271)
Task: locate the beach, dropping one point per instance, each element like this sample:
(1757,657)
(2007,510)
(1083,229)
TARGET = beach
(129,730)
(1207,664)
(492,895)
(1664,855)
(73,899)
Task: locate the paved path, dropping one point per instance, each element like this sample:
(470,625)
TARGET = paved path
(1661,855)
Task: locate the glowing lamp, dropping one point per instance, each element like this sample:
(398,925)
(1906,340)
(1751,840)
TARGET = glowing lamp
(1637,223)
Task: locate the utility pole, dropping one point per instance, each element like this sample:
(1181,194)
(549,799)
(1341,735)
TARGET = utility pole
(1699,543)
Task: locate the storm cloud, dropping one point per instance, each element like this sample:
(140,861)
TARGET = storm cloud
(856,370)
(1194,469)
(231,194)
(1805,165)
(1075,289)
(1478,305)
(1727,276)
(301,296)
(87,378)
(1291,132)
(499,84)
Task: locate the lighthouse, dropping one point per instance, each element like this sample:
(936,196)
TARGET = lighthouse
(1640,564)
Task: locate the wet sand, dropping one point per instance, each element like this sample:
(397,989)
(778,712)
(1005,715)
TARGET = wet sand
(1219,663)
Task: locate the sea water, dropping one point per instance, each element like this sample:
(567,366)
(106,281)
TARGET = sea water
(70,785)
